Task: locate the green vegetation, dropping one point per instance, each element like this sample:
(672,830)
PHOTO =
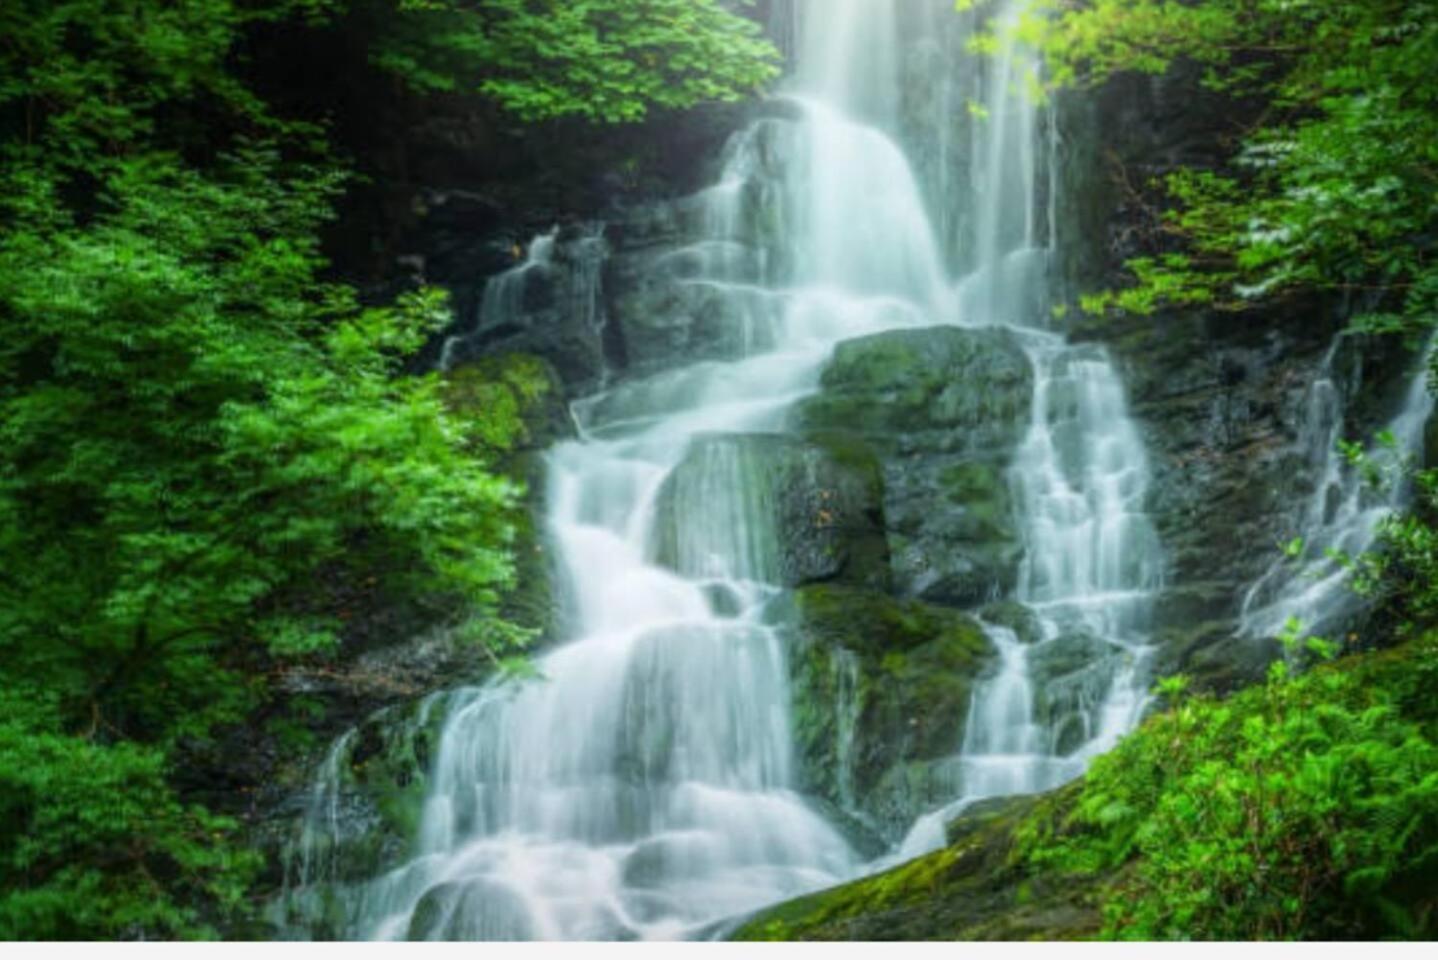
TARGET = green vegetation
(1333,187)
(608,60)
(212,463)
(1305,808)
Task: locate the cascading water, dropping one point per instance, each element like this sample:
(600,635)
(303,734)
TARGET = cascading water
(503,296)
(646,787)
(1344,515)
(1092,562)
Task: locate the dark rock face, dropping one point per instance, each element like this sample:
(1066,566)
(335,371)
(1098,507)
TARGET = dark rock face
(944,408)
(799,511)
(548,303)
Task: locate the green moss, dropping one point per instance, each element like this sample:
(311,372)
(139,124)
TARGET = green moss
(890,384)
(515,399)
(968,890)
(910,669)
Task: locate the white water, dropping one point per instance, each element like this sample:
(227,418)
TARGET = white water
(1343,516)
(646,787)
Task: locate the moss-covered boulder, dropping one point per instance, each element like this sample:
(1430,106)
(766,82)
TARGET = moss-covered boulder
(515,401)
(1018,617)
(970,890)
(944,408)
(881,693)
(774,508)
(973,386)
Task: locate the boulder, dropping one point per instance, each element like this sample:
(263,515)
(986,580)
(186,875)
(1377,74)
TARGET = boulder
(944,408)
(932,389)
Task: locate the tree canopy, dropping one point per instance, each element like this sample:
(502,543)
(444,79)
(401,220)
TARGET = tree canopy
(1335,186)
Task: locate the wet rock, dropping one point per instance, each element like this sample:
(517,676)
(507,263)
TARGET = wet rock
(774,508)
(881,690)
(550,308)
(1015,616)
(945,408)
(947,388)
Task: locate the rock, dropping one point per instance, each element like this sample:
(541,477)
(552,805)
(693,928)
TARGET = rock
(363,810)
(969,890)
(775,508)
(945,408)
(881,692)
(1015,616)
(1072,675)
(665,320)
(549,306)
(950,388)
(1066,654)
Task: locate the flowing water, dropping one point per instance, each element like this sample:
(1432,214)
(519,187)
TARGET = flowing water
(646,787)
(1345,513)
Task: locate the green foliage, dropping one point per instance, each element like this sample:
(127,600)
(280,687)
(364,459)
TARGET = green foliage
(211,458)
(94,844)
(605,60)
(1306,808)
(1332,191)
(1401,576)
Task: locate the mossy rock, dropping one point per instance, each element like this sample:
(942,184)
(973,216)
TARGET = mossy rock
(516,400)
(878,683)
(969,890)
(944,408)
(976,383)
(1015,616)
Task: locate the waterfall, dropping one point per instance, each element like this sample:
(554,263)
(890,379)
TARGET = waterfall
(1092,563)
(646,786)
(503,297)
(1344,514)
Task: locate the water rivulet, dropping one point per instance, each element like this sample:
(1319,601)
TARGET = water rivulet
(647,786)
(1345,512)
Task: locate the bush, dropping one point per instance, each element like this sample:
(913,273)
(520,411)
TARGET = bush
(1305,808)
